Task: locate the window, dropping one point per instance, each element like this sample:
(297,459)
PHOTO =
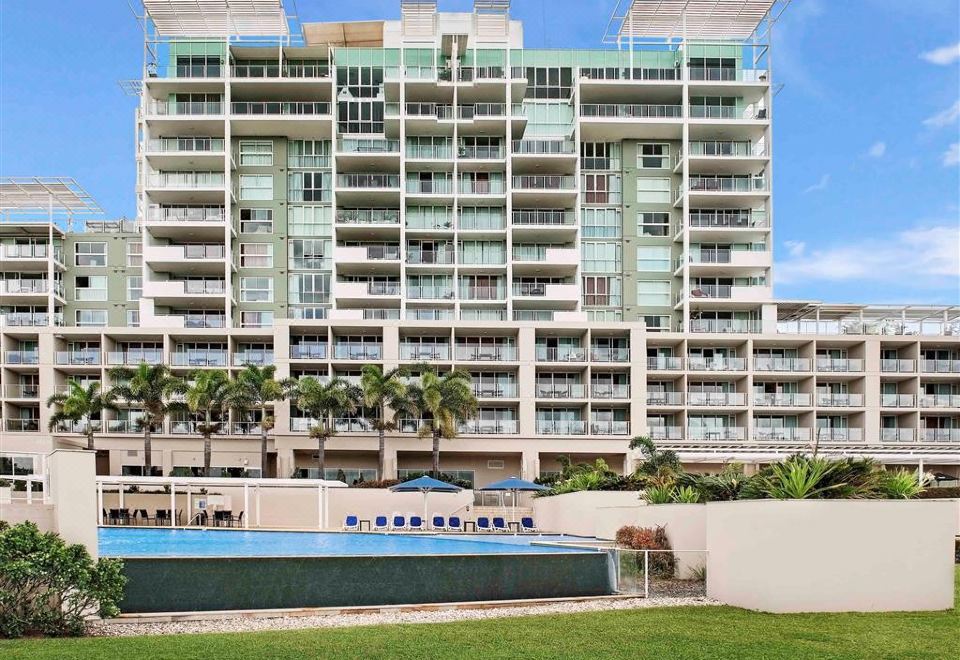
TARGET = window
(601,223)
(256,289)
(602,291)
(133,318)
(256,221)
(653,156)
(309,186)
(256,255)
(650,223)
(308,254)
(91,318)
(602,257)
(256,152)
(549,82)
(134,254)
(657,323)
(309,288)
(256,187)
(134,287)
(90,254)
(653,258)
(309,220)
(653,191)
(308,153)
(256,319)
(90,287)
(653,293)
(601,188)
(600,155)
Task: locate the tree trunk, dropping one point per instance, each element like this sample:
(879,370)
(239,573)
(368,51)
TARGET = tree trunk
(382,454)
(436,455)
(263,443)
(321,459)
(207,454)
(147,453)
(90,434)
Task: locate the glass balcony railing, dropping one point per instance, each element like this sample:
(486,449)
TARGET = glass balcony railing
(838,400)
(610,391)
(628,73)
(477,110)
(609,427)
(481,292)
(293,108)
(781,434)
(533,147)
(544,182)
(431,256)
(187,180)
(433,186)
(490,427)
(699,183)
(368,216)
(898,400)
(940,366)
(561,427)
(22,425)
(548,390)
(481,187)
(21,357)
(308,351)
(543,217)
(630,111)
(939,400)
(422,352)
(77,358)
(472,353)
(256,358)
(352,351)
(940,435)
(495,390)
(781,364)
(727,219)
(725,148)
(431,110)
(186,214)
(422,314)
(609,354)
(134,358)
(430,292)
(351,425)
(22,391)
(715,433)
(783,399)
(664,363)
(696,363)
(725,325)
(368,180)
(662,398)
(839,364)
(272,70)
(429,151)
(561,354)
(368,146)
(384,314)
(186,108)
(719,399)
(898,366)
(215,358)
(665,432)
(726,74)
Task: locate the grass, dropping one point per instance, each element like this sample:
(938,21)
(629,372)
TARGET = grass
(689,632)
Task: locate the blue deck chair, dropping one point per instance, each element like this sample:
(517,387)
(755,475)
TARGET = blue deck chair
(499,525)
(454,524)
(351,524)
(483,524)
(527,525)
(398,522)
(380,524)
(416,523)
(437,523)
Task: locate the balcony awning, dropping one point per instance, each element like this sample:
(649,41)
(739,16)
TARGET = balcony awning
(32,194)
(693,19)
(217,18)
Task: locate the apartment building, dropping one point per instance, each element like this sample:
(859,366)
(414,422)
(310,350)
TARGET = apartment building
(588,233)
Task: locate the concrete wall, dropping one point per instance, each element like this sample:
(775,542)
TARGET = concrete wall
(831,556)
(576,513)
(17,512)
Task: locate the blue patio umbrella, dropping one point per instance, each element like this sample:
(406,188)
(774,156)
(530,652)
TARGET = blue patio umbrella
(425,485)
(514,485)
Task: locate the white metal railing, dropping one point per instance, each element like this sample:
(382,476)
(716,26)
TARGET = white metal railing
(296,108)
(185,145)
(190,180)
(185,108)
(544,147)
(630,111)
(186,214)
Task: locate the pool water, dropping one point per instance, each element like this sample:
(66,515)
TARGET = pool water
(119,542)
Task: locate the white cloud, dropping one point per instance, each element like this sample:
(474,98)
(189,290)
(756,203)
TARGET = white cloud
(877,150)
(943,56)
(795,248)
(819,185)
(923,257)
(951,156)
(944,117)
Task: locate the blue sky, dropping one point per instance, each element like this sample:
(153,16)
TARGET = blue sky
(866,178)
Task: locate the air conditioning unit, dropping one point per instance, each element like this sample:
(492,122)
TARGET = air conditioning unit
(494,465)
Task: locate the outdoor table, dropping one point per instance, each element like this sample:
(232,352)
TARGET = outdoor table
(361,525)
(514,525)
(471,523)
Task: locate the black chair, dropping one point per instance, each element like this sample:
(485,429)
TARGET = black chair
(144,516)
(236,521)
(162,517)
(125,518)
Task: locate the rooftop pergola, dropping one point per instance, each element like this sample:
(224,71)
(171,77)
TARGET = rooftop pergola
(704,20)
(832,318)
(45,198)
(217,18)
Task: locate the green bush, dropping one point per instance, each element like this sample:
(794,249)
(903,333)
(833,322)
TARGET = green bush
(48,587)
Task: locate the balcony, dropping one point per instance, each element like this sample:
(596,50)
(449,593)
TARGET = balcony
(561,391)
(472,292)
(481,111)
(664,363)
(185,214)
(628,73)
(940,366)
(898,366)
(185,108)
(293,119)
(22,425)
(495,390)
(24,289)
(351,425)
(368,216)
(725,326)
(898,400)
(607,391)
(432,111)
(785,365)
(839,365)
(377,257)
(134,358)
(430,292)
(544,259)
(282,108)
(424,352)
(629,111)
(77,358)
(542,219)
(780,434)
(702,219)
(940,435)
(352,351)
(832,400)
(436,186)
(781,400)
(665,432)
(537,147)
(751,259)
(561,427)
(273,70)
(369,181)
(129,426)
(21,357)
(610,427)
(22,391)
(939,400)
(898,435)
(490,427)
(695,363)
(700,293)
(609,354)
(214,358)
(705,184)
(308,351)
(561,354)
(173,292)
(256,358)
(480,73)
(185,152)
(716,399)
(822,434)
(546,182)
(715,434)
(726,74)
(472,353)
(431,257)
(480,187)
(658,398)
(367,146)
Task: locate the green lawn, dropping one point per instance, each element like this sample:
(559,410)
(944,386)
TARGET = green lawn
(692,632)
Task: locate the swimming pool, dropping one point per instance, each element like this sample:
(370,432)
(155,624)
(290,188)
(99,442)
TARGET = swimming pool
(132,542)
(184,570)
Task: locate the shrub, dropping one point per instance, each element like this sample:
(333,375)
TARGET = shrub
(933,493)
(658,494)
(47,587)
(685,495)
(901,485)
(662,564)
(380,483)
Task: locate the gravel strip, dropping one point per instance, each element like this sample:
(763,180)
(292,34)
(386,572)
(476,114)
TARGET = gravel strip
(254,624)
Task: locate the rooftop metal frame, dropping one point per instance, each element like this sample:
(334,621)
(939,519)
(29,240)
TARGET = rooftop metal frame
(217,18)
(700,20)
(52,196)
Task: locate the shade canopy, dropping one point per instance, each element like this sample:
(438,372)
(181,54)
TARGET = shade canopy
(425,484)
(514,483)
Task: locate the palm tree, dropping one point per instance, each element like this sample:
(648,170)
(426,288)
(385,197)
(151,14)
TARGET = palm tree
(322,402)
(256,388)
(152,387)
(209,394)
(381,390)
(449,401)
(81,405)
